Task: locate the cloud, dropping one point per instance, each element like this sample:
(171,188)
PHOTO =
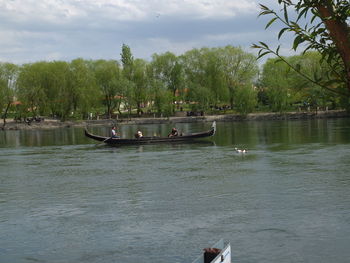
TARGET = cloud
(202,9)
(63,11)
(34,30)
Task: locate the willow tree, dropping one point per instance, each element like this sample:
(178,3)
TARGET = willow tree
(215,74)
(240,70)
(84,93)
(160,96)
(8,75)
(284,87)
(246,99)
(108,77)
(141,84)
(218,73)
(203,70)
(302,90)
(54,81)
(321,25)
(30,88)
(276,84)
(168,69)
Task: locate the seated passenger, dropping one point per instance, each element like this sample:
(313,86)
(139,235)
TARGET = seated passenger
(173,133)
(138,134)
(114,132)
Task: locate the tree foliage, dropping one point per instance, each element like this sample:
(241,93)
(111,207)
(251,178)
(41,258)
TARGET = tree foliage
(108,77)
(8,75)
(283,86)
(240,69)
(204,79)
(219,73)
(57,94)
(127,60)
(168,69)
(320,25)
(276,83)
(141,90)
(83,86)
(30,88)
(246,99)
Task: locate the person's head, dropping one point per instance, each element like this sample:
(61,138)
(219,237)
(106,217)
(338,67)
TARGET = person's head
(173,129)
(114,128)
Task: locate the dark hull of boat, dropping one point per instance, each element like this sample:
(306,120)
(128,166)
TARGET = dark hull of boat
(148,140)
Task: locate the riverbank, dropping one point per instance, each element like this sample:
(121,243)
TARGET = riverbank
(51,123)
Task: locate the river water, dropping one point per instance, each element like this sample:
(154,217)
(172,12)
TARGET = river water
(64,198)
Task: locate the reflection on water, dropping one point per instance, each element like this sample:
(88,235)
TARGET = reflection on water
(271,133)
(64,198)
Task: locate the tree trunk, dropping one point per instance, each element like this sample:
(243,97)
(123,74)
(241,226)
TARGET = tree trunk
(108,102)
(339,32)
(231,102)
(4,116)
(129,112)
(138,108)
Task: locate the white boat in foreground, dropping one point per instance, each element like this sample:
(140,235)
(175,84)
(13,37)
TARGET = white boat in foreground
(220,252)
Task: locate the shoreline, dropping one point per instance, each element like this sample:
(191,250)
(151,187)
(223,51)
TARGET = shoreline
(52,124)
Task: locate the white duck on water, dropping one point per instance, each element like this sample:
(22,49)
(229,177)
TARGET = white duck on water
(240,151)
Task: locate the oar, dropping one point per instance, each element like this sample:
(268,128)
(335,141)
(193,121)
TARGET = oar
(107,139)
(100,143)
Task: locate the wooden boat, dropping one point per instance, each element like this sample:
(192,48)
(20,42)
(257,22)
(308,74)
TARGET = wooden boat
(146,140)
(218,253)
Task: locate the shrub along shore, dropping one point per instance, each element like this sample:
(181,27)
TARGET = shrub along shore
(51,123)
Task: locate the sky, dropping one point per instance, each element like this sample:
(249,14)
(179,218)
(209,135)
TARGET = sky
(37,30)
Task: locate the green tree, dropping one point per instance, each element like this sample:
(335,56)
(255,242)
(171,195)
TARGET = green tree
(199,97)
(108,78)
(203,69)
(29,88)
(83,87)
(46,88)
(129,95)
(246,99)
(140,80)
(283,85)
(218,73)
(162,98)
(215,75)
(275,80)
(127,62)
(8,75)
(193,66)
(303,90)
(322,25)
(168,69)
(54,79)
(240,69)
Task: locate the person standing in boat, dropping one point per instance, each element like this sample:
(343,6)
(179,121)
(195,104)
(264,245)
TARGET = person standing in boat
(173,133)
(114,132)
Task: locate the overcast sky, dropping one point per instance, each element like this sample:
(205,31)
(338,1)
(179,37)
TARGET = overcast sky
(35,30)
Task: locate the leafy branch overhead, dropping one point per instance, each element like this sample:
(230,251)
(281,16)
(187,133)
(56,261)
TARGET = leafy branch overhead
(320,25)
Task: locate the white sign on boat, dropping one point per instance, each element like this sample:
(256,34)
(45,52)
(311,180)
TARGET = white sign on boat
(223,255)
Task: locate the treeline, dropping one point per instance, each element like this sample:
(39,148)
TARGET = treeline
(201,80)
